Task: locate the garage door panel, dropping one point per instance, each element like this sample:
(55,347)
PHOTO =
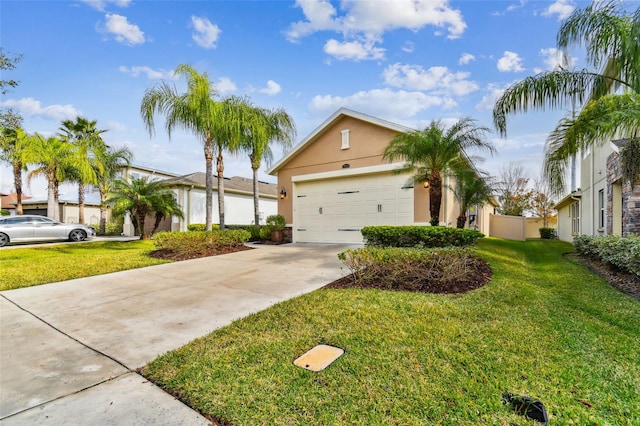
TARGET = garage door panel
(335,210)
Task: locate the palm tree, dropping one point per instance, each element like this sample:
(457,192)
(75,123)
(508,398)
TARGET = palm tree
(435,152)
(611,95)
(139,198)
(86,138)
(195,110)
(53,158)
(107,163)
(13,142)
(265,127)
(471,189)
(165,206)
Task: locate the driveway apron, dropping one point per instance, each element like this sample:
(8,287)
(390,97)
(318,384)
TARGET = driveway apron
(69,350)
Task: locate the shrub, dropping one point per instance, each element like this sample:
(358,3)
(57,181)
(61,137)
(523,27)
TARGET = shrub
(277,222)
(4,212)
(199,242)
(419,236)
(201,227)
(410,267)
(265,232)
(113,227)
(547,233)
(620,252)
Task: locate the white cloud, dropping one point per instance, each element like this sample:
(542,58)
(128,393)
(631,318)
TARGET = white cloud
(554,58)
(439,80)
(152,74)
(510,61)
(115,126)
(493,92)
(205,33)
(122,30)
(397,105)
(511,8)
(362,23)
(101,4)
(408,47)
(466,58)
(225,85)
(272,88)
(32,107)
(562,8)
(355,50)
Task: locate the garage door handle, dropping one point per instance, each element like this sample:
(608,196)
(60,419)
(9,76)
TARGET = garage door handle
(379,208)
(320,210)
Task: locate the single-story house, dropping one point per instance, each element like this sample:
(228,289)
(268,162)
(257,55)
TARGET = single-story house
(335,181)
(69,210)
(604,204)
(8,202)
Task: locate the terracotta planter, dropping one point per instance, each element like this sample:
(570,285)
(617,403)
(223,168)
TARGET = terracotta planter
(276,236)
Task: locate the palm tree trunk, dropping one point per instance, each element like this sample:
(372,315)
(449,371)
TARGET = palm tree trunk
(56,199)
(208,156)
(435,196)
(220,169)
(156,224)
(80,202)
(103,212)
(17,182)
(52,205)
(256,198)
(141,218)
(462,219)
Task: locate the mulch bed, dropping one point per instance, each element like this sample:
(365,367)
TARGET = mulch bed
(172,255)
(480,276)
(626,282)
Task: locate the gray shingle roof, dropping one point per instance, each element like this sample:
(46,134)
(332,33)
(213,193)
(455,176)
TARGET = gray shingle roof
(232,184)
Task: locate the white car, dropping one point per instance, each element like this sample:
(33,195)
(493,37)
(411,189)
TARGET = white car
(26,228)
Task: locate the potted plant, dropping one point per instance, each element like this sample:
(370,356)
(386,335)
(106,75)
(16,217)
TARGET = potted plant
(277,223)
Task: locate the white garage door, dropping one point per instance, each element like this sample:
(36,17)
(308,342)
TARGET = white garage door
(335,210)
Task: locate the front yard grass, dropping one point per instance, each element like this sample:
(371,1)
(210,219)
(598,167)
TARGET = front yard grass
(41,265)
(543,327)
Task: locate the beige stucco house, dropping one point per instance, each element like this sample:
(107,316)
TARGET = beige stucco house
(603,204)
(335,181)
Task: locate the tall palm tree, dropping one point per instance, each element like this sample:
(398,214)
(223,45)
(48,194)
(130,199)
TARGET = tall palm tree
(139,198)
(52,156)
(165,206)
(471,188)
(13,142)
(435,152)
(264,128)
(610,88)
(196,111)
(107,163)
(86,138)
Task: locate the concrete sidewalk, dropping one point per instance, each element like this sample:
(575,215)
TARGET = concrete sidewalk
(68,350)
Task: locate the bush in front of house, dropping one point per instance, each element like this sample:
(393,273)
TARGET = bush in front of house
(200,242)
(547,233)
(202,227)
(620,252)
(419,236)
(409,268)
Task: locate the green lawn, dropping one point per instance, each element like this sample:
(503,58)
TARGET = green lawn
(543,327)
(24,267)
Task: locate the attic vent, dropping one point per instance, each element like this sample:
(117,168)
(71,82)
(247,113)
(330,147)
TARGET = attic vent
(345,139)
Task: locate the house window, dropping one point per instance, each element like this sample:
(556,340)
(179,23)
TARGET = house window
(601,209)
(345,139)
(575,218)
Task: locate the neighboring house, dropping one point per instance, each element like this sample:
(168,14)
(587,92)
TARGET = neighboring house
(69,210)
(238,200)
(604,204)
(8,202)
(335,181)
(189,191)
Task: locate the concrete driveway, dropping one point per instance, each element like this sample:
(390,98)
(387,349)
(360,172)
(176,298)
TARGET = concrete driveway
(68,350)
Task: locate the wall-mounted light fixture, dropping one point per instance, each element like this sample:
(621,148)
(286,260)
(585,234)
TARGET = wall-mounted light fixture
(426,184)
(283,193)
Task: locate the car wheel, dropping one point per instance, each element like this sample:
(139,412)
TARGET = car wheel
(78,235)
(4,239)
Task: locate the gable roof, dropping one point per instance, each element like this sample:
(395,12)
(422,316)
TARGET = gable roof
(9,201)
(234,184)
(339,114)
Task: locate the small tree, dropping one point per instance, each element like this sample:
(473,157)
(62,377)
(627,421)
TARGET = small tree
(513,194)
(541,202)
(471,189)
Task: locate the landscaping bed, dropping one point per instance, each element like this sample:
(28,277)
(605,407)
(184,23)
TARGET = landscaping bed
(168,254)
(625,282)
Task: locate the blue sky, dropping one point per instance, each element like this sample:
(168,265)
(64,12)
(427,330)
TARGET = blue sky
(406,61)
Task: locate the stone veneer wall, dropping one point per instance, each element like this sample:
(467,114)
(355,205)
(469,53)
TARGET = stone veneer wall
(630,199)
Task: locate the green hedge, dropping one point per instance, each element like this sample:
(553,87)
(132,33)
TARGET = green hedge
(408,267)
(194,242)
(419,236)
(202,227)
(547,233)
(620,252)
